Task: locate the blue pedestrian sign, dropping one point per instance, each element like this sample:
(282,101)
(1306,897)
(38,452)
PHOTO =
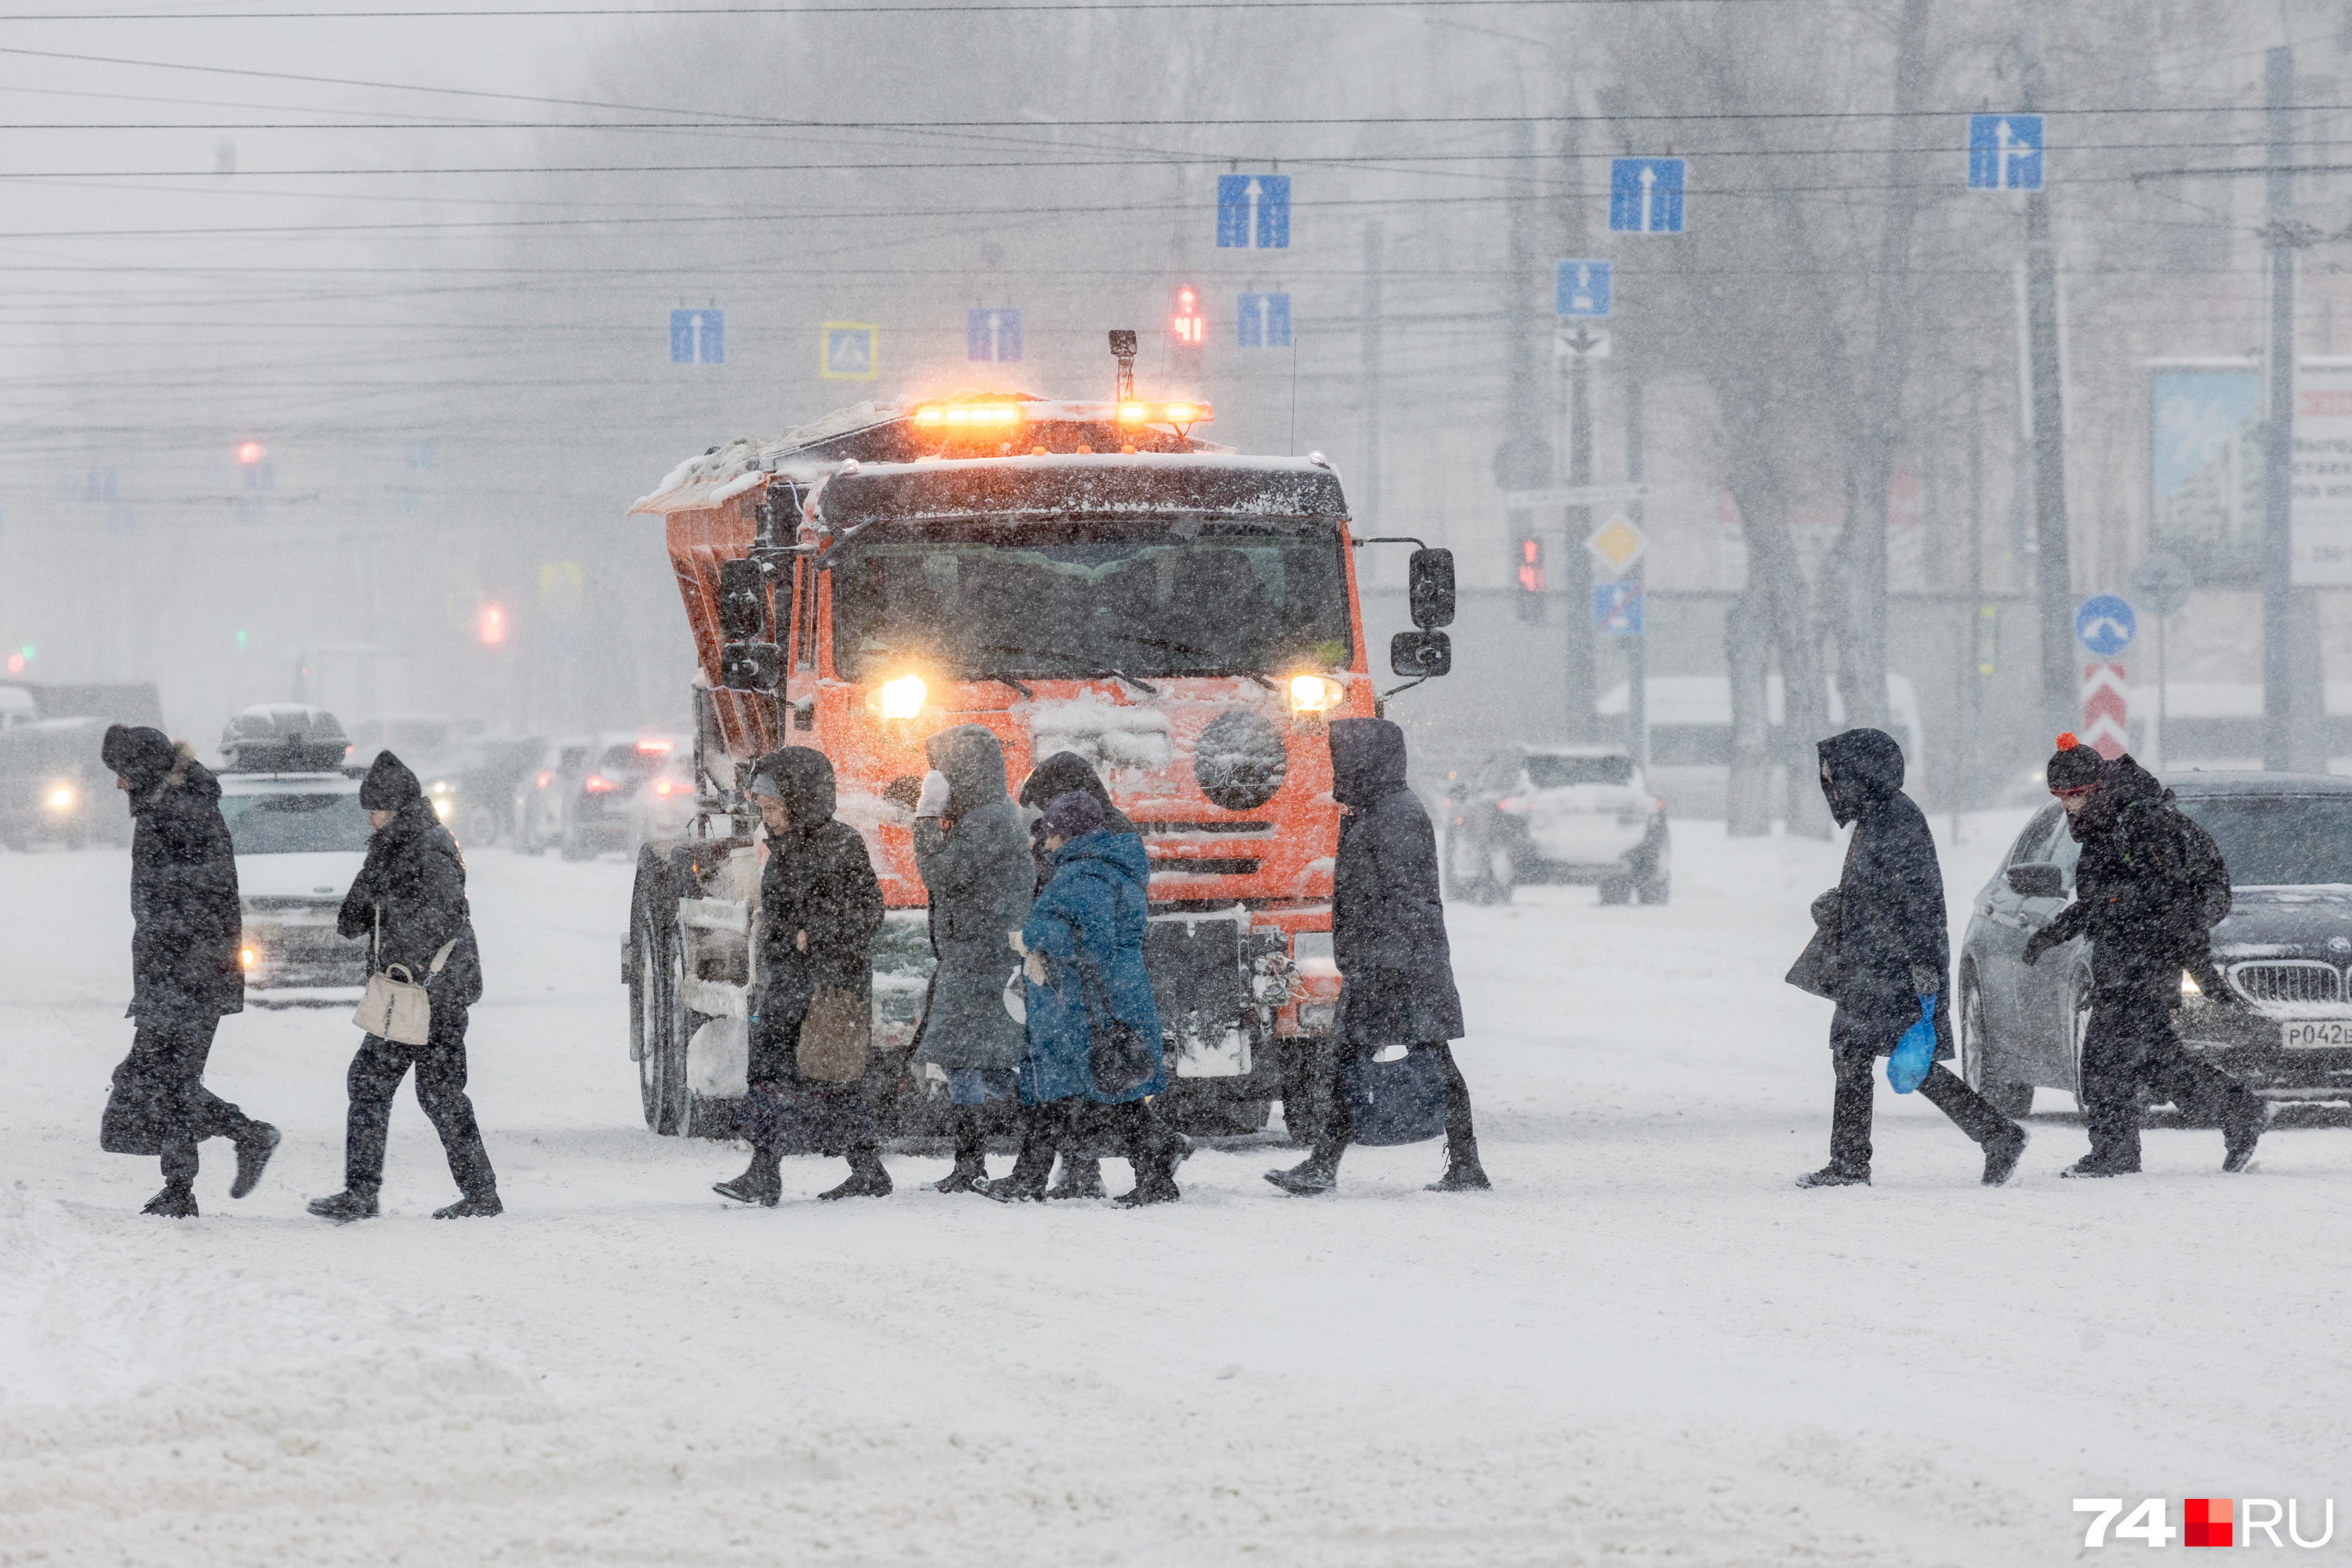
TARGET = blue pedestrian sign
(1254,212)
(849,351)
(697,337)
(1617,609)
(1263,321)
(2004,152)
(1580,289)
(992,336)
(1645,195)
(2106,625)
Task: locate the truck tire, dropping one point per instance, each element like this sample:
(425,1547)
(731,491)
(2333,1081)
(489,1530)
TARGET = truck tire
(659,1025)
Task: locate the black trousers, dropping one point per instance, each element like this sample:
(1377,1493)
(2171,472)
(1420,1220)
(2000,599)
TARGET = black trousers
(2129,1045)
(440,1064)
(1133,1126)
(159,1104)
(1857,1087)
(1460,1137)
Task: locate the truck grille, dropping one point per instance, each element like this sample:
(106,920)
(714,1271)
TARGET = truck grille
(2288,980)
(1206,868)
(1161,829)
(278,904)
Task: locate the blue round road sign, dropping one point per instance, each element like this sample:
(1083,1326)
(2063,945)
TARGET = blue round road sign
(2106,625)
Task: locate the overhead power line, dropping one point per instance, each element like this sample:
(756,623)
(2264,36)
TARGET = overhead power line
(907,9)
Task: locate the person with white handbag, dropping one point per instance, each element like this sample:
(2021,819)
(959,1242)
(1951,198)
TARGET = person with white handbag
(424,973)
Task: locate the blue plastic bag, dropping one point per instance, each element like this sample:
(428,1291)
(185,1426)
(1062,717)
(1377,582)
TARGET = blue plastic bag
(1915,1053)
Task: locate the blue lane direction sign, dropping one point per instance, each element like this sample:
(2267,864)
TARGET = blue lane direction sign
(992,336)
(2106,625)
(2004,152)
(1617,609)
(1580,289)
(697,337)
(1645,195)
(1263,321)
(1254,212)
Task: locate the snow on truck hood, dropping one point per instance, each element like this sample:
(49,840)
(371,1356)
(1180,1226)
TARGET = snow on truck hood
(313,874)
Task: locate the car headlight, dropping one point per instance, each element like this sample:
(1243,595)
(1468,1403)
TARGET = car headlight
(903,698)
(60,798)
(1316,694)
(2188,986)
(442,805)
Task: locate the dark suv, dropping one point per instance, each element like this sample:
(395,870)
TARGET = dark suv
(2283,1027)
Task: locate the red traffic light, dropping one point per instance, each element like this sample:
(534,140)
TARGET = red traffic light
(1530,565)
(1189,326)
(490,624)
(250,452)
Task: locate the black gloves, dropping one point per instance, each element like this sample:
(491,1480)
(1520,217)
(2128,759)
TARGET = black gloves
(2040,942)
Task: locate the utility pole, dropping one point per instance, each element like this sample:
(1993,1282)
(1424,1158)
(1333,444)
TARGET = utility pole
(1575,568)
(2053,574)
(2278,429)
(1637,662)
(1368,489)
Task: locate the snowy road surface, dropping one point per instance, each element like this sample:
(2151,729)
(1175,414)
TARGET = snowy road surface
(1644,1346)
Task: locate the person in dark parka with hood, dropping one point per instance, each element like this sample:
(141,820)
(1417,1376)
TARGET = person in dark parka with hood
(1084,957)
(186,928)
(820,907)
(1885,917)
(1058,775)
(1388,936)
(974,861)
(408,904)
(2149,919)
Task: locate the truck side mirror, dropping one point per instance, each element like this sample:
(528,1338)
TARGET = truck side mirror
(750,667)
(1425,654)
(2037,879)
(742,601)
(1430,578)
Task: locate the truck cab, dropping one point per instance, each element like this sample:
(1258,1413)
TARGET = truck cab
(1076,577)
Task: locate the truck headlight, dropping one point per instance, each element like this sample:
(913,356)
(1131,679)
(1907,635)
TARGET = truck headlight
(2188,986)
(60,798)
(903,698)
(1316,694)
(247,957)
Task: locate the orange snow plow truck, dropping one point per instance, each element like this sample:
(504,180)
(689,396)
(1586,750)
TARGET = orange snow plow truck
(1079,577)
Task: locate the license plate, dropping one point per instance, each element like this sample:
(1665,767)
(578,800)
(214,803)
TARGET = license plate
(2334,1034)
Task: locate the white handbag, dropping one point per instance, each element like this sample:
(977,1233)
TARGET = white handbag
(399,1010)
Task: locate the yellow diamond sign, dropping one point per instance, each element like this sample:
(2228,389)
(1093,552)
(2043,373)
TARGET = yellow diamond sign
(1617,543)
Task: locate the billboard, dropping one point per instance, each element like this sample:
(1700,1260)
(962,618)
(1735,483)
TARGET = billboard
(2320,531)
(2205,466)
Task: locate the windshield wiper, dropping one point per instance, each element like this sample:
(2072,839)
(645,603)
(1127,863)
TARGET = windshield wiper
(1012,681)
(1144,686)
(1200,653)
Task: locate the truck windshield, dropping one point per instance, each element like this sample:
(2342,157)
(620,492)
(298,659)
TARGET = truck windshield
(1141,596)
(295,823)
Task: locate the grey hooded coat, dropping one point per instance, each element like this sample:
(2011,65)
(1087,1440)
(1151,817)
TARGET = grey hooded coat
(974,861)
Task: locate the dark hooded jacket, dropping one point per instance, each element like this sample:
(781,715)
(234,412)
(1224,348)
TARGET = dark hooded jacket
(819,880)
(414,881)
(2127,899)
(1888,906)
(1388,926)
(974,862)
(1058,775)
(186,920)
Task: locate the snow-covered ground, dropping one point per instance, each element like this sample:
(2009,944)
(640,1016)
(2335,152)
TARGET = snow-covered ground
(1644,1346)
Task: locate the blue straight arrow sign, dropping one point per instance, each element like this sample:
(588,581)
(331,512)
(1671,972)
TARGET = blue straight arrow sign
(1254,212)
(1263,321)
(1645,195)
(697,337)
(992,336)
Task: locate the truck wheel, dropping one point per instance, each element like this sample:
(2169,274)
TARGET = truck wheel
(481,827)
(1654,887)
(660,1026)
(1617,890)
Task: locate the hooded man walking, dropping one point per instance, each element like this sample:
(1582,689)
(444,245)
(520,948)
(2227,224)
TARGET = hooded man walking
(1893,952)
(408,903)
(186,927)
(819,906)
(2148,889)
(974,861)
(1388,936)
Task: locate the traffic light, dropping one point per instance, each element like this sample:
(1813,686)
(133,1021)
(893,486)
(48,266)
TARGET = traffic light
(1527,567)
(1189,326)
(250,452)
(490,623)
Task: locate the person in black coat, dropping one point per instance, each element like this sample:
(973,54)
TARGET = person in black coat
(186,974)
(1892,952)
(820,907)
(1058,775)
(2148,920)
(1388,936)
(408,903)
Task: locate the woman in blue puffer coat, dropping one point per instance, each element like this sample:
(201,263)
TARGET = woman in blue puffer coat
(1084,939)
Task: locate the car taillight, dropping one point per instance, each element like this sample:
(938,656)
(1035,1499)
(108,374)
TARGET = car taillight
(1507,804)
(598,784)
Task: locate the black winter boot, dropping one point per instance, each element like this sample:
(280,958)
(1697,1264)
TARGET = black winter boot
(472,1206)
(1317,1175)
(2242,1128)
(867,1179)
(1834,1175)
(1463,1171)
(968,1169)
(176,1200)
(2092,1166)
(2001,1151)
(253,1152)
(1081,1178)
(761,1182)
(346,1207)
(1026,1184)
